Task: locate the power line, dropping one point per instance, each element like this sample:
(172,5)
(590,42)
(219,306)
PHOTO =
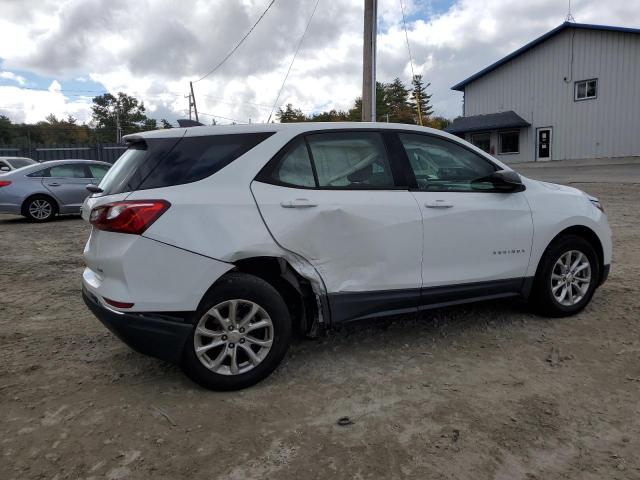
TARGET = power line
(413,75)
(293,60)
(237,45)
(224,118)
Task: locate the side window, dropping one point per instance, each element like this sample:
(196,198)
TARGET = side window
(294,168)
(39,173)
(350,160)
(68,171)
(195,158)
(97,171)
(442,165)
(4,166)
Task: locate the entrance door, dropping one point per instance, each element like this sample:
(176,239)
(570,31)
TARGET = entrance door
(544,143)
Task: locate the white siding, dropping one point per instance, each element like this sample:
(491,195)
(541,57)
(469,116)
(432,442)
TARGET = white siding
(539,86)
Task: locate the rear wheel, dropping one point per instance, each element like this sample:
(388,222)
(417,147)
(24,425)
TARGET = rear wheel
(241,333)
(39,208)
(567,277)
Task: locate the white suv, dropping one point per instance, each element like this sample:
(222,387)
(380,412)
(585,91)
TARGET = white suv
(211,245)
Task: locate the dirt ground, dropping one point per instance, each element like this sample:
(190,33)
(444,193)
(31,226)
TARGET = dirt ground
(480,391)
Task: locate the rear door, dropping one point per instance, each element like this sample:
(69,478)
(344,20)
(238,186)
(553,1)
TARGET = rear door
(338,200)
(67,183)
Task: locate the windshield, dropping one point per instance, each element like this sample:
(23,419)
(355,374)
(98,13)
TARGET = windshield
(21,162)
(116,179)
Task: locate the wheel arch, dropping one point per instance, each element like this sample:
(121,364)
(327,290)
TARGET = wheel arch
(54,202)
(587,234)
(297,291)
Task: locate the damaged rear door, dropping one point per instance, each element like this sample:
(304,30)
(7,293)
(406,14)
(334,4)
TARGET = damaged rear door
(338,200)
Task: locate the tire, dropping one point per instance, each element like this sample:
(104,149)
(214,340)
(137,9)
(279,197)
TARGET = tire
(547,292)
(248,293)
(40,208)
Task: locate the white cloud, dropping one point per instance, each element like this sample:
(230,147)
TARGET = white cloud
(12,76)
(153,55)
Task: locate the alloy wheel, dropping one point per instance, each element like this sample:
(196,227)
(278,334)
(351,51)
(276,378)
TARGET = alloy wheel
(40,209)
(571,278)
(233,337)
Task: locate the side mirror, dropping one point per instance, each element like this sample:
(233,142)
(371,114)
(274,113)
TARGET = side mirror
(94,188)
(506,181)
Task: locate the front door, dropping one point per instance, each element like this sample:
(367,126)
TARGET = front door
(333,199)
(472,234)
(544,143)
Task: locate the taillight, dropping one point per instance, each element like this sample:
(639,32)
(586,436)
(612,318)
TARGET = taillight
(129,216)
(4,183)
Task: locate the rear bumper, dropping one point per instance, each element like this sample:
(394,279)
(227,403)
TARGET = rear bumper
(152,334)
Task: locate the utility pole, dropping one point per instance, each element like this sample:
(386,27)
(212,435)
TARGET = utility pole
(118,129)
(193,102)
(369,61)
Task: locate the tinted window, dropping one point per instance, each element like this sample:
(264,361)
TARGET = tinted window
(98,171)
(442,165)
(195,158)
(350,160)
(295,167)
(39,173)
(67,171)
(119,178)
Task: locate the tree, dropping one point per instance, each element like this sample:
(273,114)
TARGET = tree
(289,114)
(107,108)
(420,93)
(438,122)
(164,123)
(150,124)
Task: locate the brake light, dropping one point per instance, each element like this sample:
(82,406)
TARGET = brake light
(4,183)
(128,216)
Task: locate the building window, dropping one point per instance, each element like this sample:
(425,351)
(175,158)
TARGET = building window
(586,89)
(509,142)
(482,141)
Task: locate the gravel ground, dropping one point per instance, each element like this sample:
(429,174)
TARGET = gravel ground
(481,391)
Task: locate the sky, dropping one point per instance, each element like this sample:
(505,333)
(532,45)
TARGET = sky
(56,55)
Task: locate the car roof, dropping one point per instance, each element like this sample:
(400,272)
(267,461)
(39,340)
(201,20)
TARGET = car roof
(53,163)
(294,128)
(17,158)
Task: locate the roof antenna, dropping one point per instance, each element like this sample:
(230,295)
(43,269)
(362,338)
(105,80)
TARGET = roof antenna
(569,16)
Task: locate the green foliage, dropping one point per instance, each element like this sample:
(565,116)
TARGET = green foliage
(394,103)
(67,131)
(419,95)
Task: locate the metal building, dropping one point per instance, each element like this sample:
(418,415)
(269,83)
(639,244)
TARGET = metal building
(572,93)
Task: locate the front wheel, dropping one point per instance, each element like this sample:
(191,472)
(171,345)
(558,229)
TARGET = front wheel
(241,333)
(567,277)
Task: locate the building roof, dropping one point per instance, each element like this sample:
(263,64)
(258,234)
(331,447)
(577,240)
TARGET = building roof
(579,26)
(490,121)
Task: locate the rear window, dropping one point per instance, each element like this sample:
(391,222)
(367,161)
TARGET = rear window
(163,162)
(195,158)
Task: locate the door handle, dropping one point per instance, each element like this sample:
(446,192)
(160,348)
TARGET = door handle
(438,204)
(53,184)
(298,203)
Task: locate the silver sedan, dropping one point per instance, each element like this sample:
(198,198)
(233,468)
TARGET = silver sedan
(41,191)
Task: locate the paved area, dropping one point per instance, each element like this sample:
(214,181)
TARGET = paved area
(625,170)
(487,391)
